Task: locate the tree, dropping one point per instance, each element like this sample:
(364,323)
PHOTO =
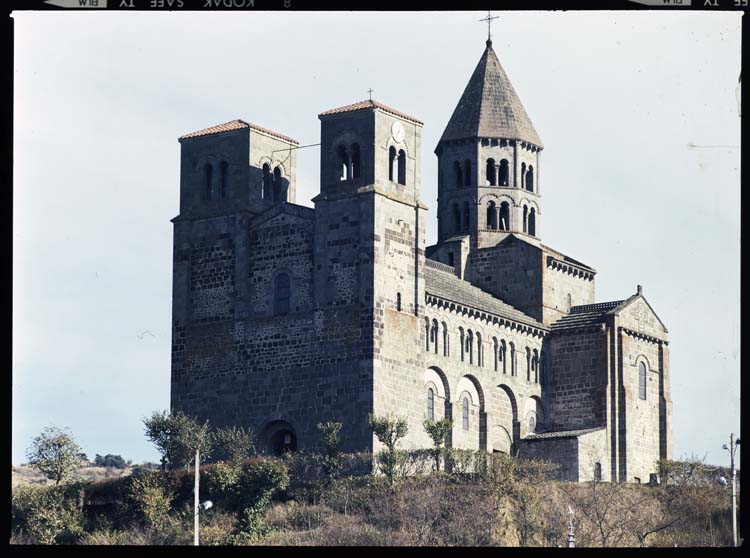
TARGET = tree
(177,437)
(438,431)
(388,431)
(231,445)
(109,460)
(329,438)
(54,453)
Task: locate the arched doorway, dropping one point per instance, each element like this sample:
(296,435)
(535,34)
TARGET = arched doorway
(280,438)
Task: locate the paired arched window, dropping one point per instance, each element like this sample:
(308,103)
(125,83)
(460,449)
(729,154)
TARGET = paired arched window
(501,355)
(504,216)
(267,182)
(503,173)
(467,172)
(525,217)
(512,359)
(491,174)
(434,336)
(491,216)
(532,222)
(431,404)
(642,380)
(456,218)
(356,161)
(457,174)
(208,171)
(470,345)
(223,177)
(530,179)
(282,293)
(391,163)
(465,413)
(401,167)
(344,168)
(278,186)
(446,351)
(467,216)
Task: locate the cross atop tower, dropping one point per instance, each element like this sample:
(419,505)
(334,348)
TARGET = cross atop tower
(489,19)
(370,92)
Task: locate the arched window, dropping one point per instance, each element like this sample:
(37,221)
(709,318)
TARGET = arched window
(523,176)
(465,412)
(491,216)
(570,302)
(458,174)
(344,168)
(278,187)
(532,222)
(470,345)
(223,175)
(530,179)
(398,302)
(467,216)
(462,340)
(467,173)
(642,380)
(504,216)
(512,359)
(434,335)
(427,336)
(496,351)
(446,351)
(525,217)
(401,167)
(535,366)
(208,171)
(267,182)
(391,163)
(528,364)
(503,178)
(456,218)
(430,404)
(543,377)
(356,161)
(480,356)
(597,471)
(532,424)
(491,173)
(502,354)
(282,291)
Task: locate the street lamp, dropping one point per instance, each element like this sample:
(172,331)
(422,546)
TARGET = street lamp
(732,448)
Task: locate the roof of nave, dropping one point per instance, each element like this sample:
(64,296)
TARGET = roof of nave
(238,125)
(559,255)
(449,287)
(562,434)
(490,107)
(369,103)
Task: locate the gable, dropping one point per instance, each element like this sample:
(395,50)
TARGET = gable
(636,314)
(283,214)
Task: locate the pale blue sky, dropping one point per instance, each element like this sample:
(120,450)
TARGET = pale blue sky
(620,100)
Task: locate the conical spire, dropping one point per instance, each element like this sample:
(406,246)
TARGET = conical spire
(489,106)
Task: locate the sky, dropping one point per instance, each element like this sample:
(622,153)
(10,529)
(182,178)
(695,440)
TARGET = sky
(640,177)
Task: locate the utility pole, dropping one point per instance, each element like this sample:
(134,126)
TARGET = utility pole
(196,502)
(571,530)
(733,444)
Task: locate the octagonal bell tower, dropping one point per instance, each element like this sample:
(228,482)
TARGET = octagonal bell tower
(488,162)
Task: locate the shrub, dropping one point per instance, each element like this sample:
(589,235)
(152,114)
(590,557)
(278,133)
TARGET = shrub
(152,498)
(110,460)
(231,445)
(48,515)
(331,458)
(177,437)
(389,431)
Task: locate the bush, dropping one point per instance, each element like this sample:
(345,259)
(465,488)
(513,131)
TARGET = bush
(48,515)
(110,460)
(152,498)
(231,445)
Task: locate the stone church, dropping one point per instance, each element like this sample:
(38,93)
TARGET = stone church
(285,315)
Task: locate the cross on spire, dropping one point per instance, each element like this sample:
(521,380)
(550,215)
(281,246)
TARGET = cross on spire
(489,19)
(370,92)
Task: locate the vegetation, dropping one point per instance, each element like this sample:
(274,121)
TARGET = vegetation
(177,437)
(54,453)
(109,460)
(460,498)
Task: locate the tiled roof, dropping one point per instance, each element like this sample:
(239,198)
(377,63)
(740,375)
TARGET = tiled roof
(237,125)
(490,107)
(561,434)
(371,104)
(586,315)
(449,287)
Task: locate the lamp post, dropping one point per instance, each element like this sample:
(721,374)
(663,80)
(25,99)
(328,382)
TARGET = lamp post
(733,444)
